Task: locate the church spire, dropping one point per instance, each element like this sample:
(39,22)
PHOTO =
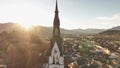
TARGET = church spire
(56,57)
(56,37)
(56,10)
(56,28)
(56,19)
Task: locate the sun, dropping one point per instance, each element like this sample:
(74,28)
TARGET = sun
(26,25)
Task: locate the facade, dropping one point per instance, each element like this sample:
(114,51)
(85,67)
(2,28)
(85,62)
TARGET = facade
(56,57)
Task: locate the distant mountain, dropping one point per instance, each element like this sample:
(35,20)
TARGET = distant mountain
(8,26)
(89,31)
(74,31)
(48,30)
(115,28)
(112,31)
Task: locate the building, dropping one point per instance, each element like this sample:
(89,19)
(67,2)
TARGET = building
(56,57)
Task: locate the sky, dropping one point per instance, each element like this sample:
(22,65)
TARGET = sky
(73,14)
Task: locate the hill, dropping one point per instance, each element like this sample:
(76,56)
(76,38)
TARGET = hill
(9,26)
(112,31)
(115,28)
(89,31)
(47,30)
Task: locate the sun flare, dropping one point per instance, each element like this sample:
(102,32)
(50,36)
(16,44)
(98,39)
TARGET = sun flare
(26,25)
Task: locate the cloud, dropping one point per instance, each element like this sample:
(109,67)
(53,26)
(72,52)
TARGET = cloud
(109,21)
(115,17)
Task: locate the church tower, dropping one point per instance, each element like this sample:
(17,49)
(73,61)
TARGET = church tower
(56,57)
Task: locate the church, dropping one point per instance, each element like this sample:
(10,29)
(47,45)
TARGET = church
(56,56)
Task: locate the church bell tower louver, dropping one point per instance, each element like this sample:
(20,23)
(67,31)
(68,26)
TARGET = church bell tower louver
(56,57)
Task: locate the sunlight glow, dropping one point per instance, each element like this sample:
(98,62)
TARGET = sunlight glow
(41,12)
(26,25)
(26,14)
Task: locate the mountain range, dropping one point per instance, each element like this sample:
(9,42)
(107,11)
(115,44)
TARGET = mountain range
(115,28)
(112,31)
(13,26)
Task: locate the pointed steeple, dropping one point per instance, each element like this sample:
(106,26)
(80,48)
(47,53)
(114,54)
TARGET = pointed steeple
(56,37)
(56,19)
(56,10)
(56,29)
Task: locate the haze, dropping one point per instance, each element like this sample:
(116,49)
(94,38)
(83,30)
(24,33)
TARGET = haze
(101,14)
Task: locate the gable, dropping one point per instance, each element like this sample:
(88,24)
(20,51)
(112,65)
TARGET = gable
(55,49)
